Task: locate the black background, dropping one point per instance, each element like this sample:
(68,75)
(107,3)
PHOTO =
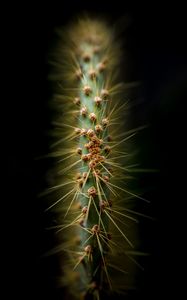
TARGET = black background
(155,41)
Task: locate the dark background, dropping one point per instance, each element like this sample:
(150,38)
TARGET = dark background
(155,42)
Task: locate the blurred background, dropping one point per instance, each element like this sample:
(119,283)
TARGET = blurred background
(154,43)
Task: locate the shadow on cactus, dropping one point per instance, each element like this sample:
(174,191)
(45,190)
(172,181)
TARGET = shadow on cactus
(91,200)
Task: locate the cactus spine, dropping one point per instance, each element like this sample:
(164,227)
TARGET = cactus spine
(95,224)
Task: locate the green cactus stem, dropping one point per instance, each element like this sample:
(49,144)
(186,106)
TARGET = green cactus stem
(92,202)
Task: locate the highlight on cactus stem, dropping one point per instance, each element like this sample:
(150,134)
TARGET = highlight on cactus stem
(90,199)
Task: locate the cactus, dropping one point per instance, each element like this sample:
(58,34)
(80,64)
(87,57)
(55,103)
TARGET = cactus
(96,224)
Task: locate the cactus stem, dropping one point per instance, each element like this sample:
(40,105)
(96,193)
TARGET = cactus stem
(92,153)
